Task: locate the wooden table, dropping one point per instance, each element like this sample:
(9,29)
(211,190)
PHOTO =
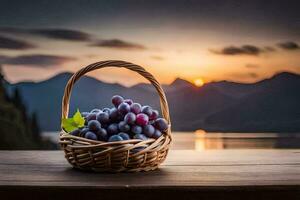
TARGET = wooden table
(187,174)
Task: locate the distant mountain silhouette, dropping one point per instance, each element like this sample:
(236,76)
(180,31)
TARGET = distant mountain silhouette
(269,105)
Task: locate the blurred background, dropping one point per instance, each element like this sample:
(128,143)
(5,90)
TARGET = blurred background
(230,69)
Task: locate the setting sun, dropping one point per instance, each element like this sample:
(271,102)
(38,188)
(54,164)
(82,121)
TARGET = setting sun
(198,82)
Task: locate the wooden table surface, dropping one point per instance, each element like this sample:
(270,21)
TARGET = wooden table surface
(186,174)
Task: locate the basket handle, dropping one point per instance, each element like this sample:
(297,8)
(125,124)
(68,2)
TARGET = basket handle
(115,63)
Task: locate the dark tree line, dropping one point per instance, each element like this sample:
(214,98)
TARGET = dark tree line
(18,128)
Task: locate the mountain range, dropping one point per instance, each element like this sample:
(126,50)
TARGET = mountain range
(270,105)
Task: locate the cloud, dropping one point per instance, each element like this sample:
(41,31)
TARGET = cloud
(289,45)
(270,49)
(14,44)
(35,60)
(3,58)
(157,57)
(53,33)
(251,75)
(243,50)
(63,34)
(252,66)
(118,44)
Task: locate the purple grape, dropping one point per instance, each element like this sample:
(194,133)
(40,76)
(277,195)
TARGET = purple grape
(113,114)
(142,119)
(156,134)
(103,117)
(115,138)
(83,132)
(124,136)
(96,111)
(123,108)
(136,108)
(107,110)
(136,129)
(101,134)
(76,132)
(91,116)
(123,126)
(130,118)
(154,115)
(85,114)
(90,135)
(148,130)
(112,129)
(140,136)
(161,124)
(94,125)
(128,101)
(117,100)
(147,110)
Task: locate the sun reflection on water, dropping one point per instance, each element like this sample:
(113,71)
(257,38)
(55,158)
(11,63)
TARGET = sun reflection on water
(203,143)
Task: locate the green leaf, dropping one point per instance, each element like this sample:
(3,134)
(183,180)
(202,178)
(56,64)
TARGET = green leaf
(71,124)
(78,119)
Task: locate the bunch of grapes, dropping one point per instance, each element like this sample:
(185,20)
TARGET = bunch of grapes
(126,120)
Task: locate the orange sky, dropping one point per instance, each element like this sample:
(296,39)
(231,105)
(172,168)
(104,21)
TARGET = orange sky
(165,61)
(185,39)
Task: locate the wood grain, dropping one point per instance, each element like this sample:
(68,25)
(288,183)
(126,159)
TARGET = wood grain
(267,173)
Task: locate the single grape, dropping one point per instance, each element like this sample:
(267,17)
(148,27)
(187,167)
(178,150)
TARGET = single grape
(107,110)
(124,136)
(96,110)
(76,132)
(154,115)
(161,124)
(123,108)
(123,126)
(103,117)
(91,116)
(156,134)
(115,138)
(90,135)
(136,108)
(94,125)
(128,101)
(142,119)
(130,118)
(140,136)
(102,134)
(83,132)
(148,130)
(136,129)
(85,114)
(113,115)
(147,110)
(117,100)
(112,129)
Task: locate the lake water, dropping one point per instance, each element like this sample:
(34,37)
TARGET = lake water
(201,141)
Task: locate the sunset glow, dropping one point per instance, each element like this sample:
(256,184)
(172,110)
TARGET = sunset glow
(183,39)
(199,82)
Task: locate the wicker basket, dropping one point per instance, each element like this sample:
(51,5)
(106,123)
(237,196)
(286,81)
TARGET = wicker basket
(129,155)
